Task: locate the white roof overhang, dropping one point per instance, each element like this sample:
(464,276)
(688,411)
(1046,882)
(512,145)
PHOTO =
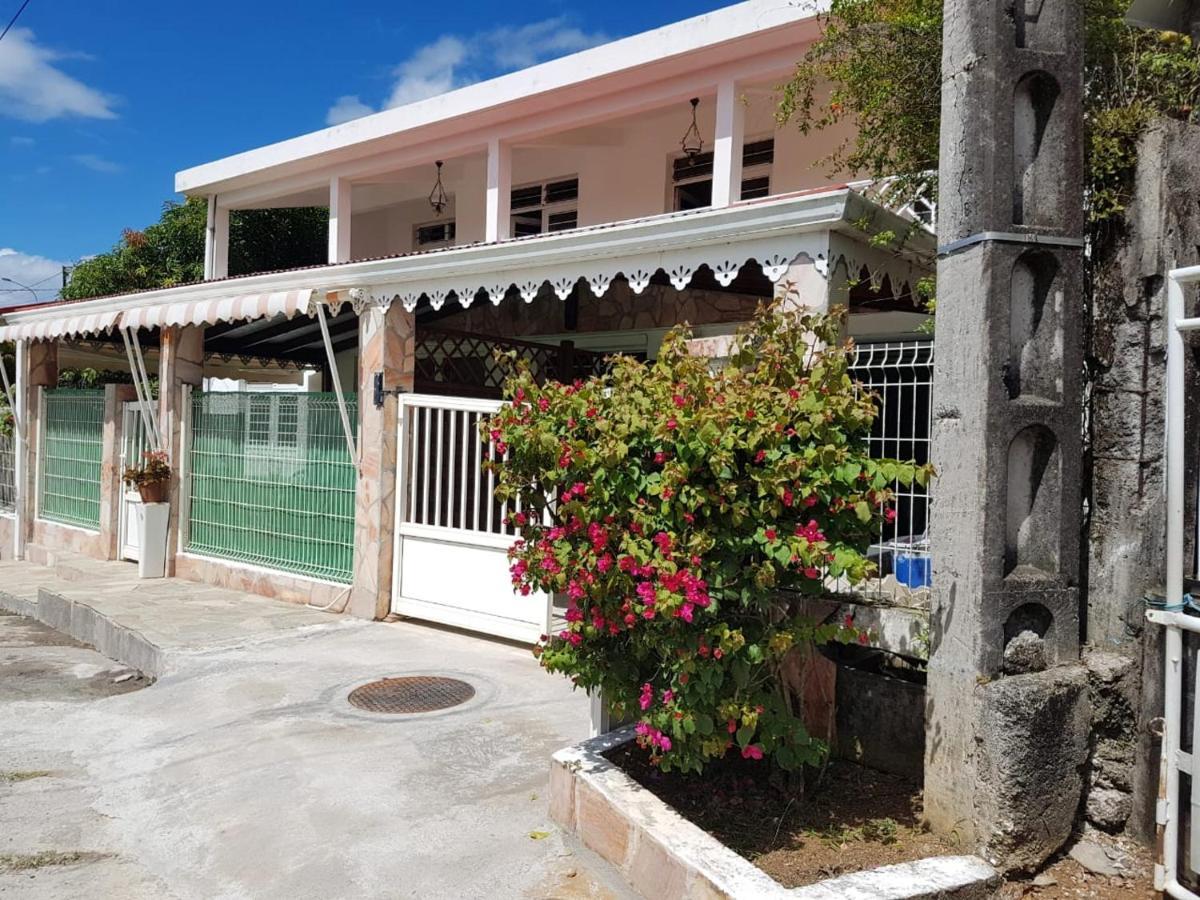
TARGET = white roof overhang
(772,232)
(697,50)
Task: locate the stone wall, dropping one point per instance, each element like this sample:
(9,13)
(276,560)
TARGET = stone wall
(620,309)
(1126,532)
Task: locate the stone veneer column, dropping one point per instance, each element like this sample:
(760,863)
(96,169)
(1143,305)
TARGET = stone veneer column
(180,362)
(40,371)
(387,344)
(1007,713)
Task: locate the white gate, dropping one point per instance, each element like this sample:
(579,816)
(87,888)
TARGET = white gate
(134,443)
(1180,860)
(451,562)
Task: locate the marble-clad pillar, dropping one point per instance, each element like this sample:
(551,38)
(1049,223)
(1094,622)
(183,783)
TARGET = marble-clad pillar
(387,345)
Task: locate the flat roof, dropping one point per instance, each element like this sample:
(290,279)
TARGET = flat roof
(463,106)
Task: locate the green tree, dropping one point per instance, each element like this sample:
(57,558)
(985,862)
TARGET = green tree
(878,64)
(171,251)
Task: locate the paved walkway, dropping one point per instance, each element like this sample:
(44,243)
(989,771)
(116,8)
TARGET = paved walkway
(244,772)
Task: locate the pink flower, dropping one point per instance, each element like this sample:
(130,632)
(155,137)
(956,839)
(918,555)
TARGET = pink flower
(668,696)
(646,700)
(788,497)
(770,534)
(660,457)
(672,424)
(753,751)
(646,593)
(662,540)
(604,563)
(543,404)
(760,456)
(810,532)
(679,401)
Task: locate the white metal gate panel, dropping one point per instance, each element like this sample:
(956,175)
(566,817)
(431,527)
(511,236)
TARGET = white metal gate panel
(1180,750)
(134,442)
(452,540)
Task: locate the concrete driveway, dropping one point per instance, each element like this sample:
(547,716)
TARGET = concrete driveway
(244,772)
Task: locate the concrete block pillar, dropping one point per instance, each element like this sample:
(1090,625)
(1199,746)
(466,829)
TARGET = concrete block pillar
(1006,434)
(39,370)
(387,347)
(180,363)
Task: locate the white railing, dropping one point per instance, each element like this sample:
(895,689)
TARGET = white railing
(899,375)
(441,468)
(920,209)
(1175,617)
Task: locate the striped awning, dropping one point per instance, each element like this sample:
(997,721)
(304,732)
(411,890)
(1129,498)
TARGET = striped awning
(222,309)
(61,326)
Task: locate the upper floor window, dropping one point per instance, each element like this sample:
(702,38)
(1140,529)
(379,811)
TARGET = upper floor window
(693,175)
(433,235)
(548,206)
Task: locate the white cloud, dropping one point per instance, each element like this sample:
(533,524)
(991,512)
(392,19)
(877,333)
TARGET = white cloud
(20,141)
(432,70)
(42,274)
(97,163)
(32,88)
(347,107)
(452,62)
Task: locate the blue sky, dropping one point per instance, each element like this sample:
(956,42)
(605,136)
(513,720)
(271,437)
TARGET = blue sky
(101,103)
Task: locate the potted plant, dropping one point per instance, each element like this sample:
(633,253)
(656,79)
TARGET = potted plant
(152,477)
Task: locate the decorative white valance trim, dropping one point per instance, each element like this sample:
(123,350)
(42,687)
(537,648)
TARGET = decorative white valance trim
(774,254)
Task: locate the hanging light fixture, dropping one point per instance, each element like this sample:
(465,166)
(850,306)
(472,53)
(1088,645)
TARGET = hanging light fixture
(437,197)
(692,143)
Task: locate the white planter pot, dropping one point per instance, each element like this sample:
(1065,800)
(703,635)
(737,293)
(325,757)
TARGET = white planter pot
(151,523)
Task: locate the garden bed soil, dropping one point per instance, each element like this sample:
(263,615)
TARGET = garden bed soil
(853,819)
(1065,879)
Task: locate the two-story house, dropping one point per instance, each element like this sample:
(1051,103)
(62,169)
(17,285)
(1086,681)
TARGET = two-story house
(576,208)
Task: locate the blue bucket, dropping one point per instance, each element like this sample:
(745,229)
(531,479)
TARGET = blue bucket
(913,570)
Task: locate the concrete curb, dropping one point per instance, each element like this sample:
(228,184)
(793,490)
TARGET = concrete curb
(664,856)
(84,623)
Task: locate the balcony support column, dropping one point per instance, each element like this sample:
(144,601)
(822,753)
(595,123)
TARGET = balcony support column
(727,145)
(499,191)
(216,241)
(339,220)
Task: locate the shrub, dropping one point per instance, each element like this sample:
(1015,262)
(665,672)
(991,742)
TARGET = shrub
(685,500)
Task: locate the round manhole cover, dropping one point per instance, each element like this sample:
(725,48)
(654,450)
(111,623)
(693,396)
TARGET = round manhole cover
(412,694)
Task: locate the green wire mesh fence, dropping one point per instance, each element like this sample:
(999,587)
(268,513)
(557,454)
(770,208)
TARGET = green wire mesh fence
(72,446)
(8,486)
(272,482)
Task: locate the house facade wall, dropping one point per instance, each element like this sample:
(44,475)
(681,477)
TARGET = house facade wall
(623,167)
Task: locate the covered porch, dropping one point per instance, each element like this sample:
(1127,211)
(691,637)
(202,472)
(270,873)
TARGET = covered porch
(343,469)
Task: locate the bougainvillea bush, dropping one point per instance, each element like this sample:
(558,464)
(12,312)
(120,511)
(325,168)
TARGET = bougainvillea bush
(685,502)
